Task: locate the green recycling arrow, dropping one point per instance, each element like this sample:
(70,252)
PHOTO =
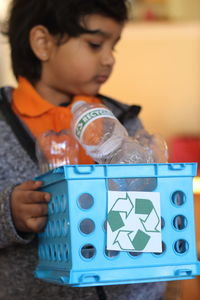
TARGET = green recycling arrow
(138,243)
(121,205)
(146,207)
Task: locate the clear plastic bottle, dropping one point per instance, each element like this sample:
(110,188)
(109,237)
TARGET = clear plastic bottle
(107,141)
(103,136)
(55,149)
(97,130)
(154,144)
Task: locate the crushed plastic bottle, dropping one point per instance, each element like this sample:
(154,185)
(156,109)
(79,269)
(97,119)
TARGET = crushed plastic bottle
(107,142)
(55,149)
(97,130)
(154,144)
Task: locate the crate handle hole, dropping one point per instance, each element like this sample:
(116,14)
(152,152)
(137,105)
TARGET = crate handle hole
(83,169)
(135,254)
(178,198)
(105,225)
(180,222)
(181,246)
(89,278)
(85,201)
(111,253)
(183,272)
(176,167)
(147,184)
(162,223)
(88,251)
(163,249)
(87,226)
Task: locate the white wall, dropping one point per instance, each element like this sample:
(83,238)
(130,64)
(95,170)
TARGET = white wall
(184,9)
(6,75)
(158,67)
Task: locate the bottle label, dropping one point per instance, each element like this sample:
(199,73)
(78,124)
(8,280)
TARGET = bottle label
(88,117)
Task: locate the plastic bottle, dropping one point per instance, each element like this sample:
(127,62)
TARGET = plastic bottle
(103,136)
(55,149)
(107,141)
(154,144)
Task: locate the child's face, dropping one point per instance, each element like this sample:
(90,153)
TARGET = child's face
(82,64)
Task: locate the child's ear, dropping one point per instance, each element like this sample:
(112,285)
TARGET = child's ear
(41,42)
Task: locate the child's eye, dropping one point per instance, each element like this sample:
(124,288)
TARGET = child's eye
(94,46)
(114,49)
(114,46)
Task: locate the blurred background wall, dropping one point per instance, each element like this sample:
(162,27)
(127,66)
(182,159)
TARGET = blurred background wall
(158,65)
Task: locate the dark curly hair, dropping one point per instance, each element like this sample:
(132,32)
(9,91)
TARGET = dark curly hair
(60,17)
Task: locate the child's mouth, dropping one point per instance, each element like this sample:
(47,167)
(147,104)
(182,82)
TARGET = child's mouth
(101,78)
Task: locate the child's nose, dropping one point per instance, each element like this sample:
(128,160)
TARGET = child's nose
(108,59)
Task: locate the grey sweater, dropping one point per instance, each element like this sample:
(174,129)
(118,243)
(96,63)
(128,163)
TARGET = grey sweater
(18,256)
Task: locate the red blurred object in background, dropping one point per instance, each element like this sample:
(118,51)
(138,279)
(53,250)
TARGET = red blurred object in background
(184,149)
(149,15)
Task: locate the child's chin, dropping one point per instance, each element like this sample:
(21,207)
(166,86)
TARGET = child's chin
(92,93)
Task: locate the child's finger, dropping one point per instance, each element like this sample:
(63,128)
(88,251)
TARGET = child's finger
(36,224)
(30,185)
(37,210)
(36,197)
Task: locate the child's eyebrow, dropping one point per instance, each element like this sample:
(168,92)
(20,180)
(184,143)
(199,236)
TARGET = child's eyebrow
(104,34)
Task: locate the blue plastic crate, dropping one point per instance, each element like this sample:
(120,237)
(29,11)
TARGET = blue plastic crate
(69,256)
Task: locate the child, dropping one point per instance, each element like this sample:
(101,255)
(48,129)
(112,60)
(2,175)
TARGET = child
(59,49)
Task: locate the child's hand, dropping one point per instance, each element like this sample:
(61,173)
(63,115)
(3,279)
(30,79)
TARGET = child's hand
(29,207)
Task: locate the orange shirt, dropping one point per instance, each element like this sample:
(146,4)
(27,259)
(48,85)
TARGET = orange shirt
(39,115)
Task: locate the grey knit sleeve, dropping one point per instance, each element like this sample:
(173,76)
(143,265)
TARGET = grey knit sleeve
(15,168)
(8,232)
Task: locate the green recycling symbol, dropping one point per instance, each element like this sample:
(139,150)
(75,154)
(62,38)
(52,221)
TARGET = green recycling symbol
(134,220)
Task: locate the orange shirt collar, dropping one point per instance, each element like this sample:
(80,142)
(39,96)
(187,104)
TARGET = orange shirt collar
(27,101)
(39,115)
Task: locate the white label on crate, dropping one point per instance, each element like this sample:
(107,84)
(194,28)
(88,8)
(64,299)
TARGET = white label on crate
(134,221)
